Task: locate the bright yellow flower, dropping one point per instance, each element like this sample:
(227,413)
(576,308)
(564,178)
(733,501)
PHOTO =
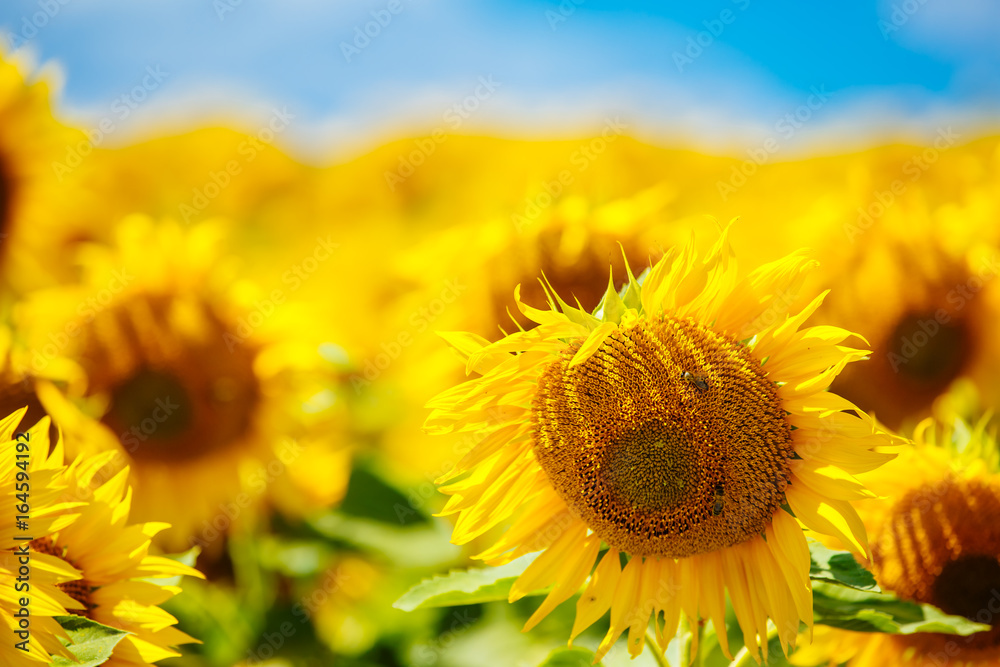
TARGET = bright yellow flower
(460,278)
(678,425)
(914,271)
(44,474)
(115,565)
(34,191)
(201,381)
(935,540)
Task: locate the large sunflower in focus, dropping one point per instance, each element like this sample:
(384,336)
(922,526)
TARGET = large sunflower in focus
(935,540)
(460,278)
(194,375)
(681,425)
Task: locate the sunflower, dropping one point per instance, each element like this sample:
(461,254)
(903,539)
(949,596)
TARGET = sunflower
(681,425)
(460,278)
(115,565)
(931,252)
(935,541)
(33,187)
(198,379)
(45,475)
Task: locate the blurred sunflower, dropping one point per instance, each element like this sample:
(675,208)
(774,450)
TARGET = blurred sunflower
(199,381)
(50,512)
(115,566)
(935,540)
(681,424)
(919,282)
(34,178)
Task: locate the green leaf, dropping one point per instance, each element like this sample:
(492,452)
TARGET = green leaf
(612,307)
(839,567)
(413,546)
(570,657)
(91,642)
(868,611)
(370,496)
(631,293)
(471,586)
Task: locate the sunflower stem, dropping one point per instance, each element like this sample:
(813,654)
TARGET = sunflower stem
(660,658)
(744,657)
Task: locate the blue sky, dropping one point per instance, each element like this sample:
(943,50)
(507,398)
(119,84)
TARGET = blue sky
(717,75)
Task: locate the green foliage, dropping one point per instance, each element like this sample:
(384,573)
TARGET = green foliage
(846,596)
(869,611)
(91,642)
(839,567)
(470,586)
(570,657)
(371,497)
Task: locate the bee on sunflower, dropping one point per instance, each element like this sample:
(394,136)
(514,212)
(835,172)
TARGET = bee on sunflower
(934,540)
(686,426)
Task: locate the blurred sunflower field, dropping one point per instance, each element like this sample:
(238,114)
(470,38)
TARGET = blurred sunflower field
(520,334)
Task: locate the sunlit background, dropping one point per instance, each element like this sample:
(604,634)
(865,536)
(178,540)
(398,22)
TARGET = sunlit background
(293,197)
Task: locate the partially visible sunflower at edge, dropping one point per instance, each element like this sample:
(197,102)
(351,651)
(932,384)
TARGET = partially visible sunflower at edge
(681,425)
(196,386)
(935,540)
(50,512)
(35,180)
(84,559)
(919,281)
(114,563)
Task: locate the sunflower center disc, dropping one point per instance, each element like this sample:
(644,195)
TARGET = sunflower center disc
(78,589)
(934,359)
(179,388)
(966,586)
(668,441)
(939,544)
(650,466)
